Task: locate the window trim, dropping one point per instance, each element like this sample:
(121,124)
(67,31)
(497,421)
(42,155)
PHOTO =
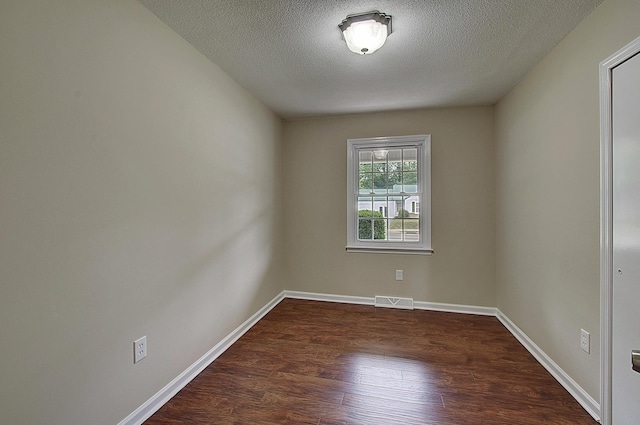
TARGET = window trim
(423,141)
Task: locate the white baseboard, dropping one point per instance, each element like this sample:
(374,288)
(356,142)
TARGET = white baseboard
(346,299)
(417,305)
(144,412)
(586,401)
(455,308)
(152,405)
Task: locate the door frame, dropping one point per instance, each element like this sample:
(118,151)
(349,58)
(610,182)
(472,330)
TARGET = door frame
(606,223)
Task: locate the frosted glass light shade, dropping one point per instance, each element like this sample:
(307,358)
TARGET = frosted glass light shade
(365,37)
(366,33)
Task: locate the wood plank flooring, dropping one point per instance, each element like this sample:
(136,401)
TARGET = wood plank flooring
(310,362)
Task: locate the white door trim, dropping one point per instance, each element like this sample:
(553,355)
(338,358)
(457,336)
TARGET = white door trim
(606,223)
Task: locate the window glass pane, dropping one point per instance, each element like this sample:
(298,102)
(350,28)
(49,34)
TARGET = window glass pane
(411,229)
(410,159)
(394,155)
(401,208)
(410,180)
(395,229)
(365,203)
(380,182)
(365,183)
(410,165)
(371,225)
(393,185)
(380,205)
(394,167)
(364,229)
(406,206)
(364,157)
(365,167)
(379,155)
(380,166)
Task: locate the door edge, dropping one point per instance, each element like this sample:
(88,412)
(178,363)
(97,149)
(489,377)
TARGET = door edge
(606,223)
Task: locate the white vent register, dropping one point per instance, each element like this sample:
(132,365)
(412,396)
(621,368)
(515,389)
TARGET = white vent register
(394,302)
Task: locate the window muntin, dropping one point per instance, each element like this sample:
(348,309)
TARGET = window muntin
(389,182)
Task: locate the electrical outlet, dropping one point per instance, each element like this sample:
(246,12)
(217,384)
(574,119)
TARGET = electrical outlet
(585,340)
(139,349)
(399,275)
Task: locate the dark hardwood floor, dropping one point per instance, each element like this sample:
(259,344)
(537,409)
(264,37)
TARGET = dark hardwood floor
(310,362)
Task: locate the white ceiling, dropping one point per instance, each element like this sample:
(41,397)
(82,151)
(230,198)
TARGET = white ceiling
(290,53)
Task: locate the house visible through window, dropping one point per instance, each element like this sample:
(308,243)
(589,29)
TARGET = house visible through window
(388,180)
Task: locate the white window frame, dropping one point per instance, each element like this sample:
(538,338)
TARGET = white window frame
(423,245)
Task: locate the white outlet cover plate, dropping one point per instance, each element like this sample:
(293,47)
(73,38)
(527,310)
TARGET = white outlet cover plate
(139,349)
(585,340)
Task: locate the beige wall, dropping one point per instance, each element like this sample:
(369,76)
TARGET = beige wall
(547,174)
(139,195)
(462,270)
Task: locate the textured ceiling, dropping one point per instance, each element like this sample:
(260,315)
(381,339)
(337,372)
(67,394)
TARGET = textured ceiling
(290,54)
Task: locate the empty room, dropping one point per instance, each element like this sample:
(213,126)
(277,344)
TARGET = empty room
(245,212)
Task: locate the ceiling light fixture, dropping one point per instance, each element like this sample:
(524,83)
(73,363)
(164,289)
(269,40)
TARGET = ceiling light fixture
(366,32)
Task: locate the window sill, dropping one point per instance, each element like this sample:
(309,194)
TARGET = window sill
(383,250)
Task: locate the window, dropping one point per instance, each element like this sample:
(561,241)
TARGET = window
(389,194)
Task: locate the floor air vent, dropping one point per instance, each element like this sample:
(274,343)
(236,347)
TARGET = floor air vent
(392,302)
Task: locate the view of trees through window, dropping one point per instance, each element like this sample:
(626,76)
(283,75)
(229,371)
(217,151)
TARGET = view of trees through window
(388,194)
